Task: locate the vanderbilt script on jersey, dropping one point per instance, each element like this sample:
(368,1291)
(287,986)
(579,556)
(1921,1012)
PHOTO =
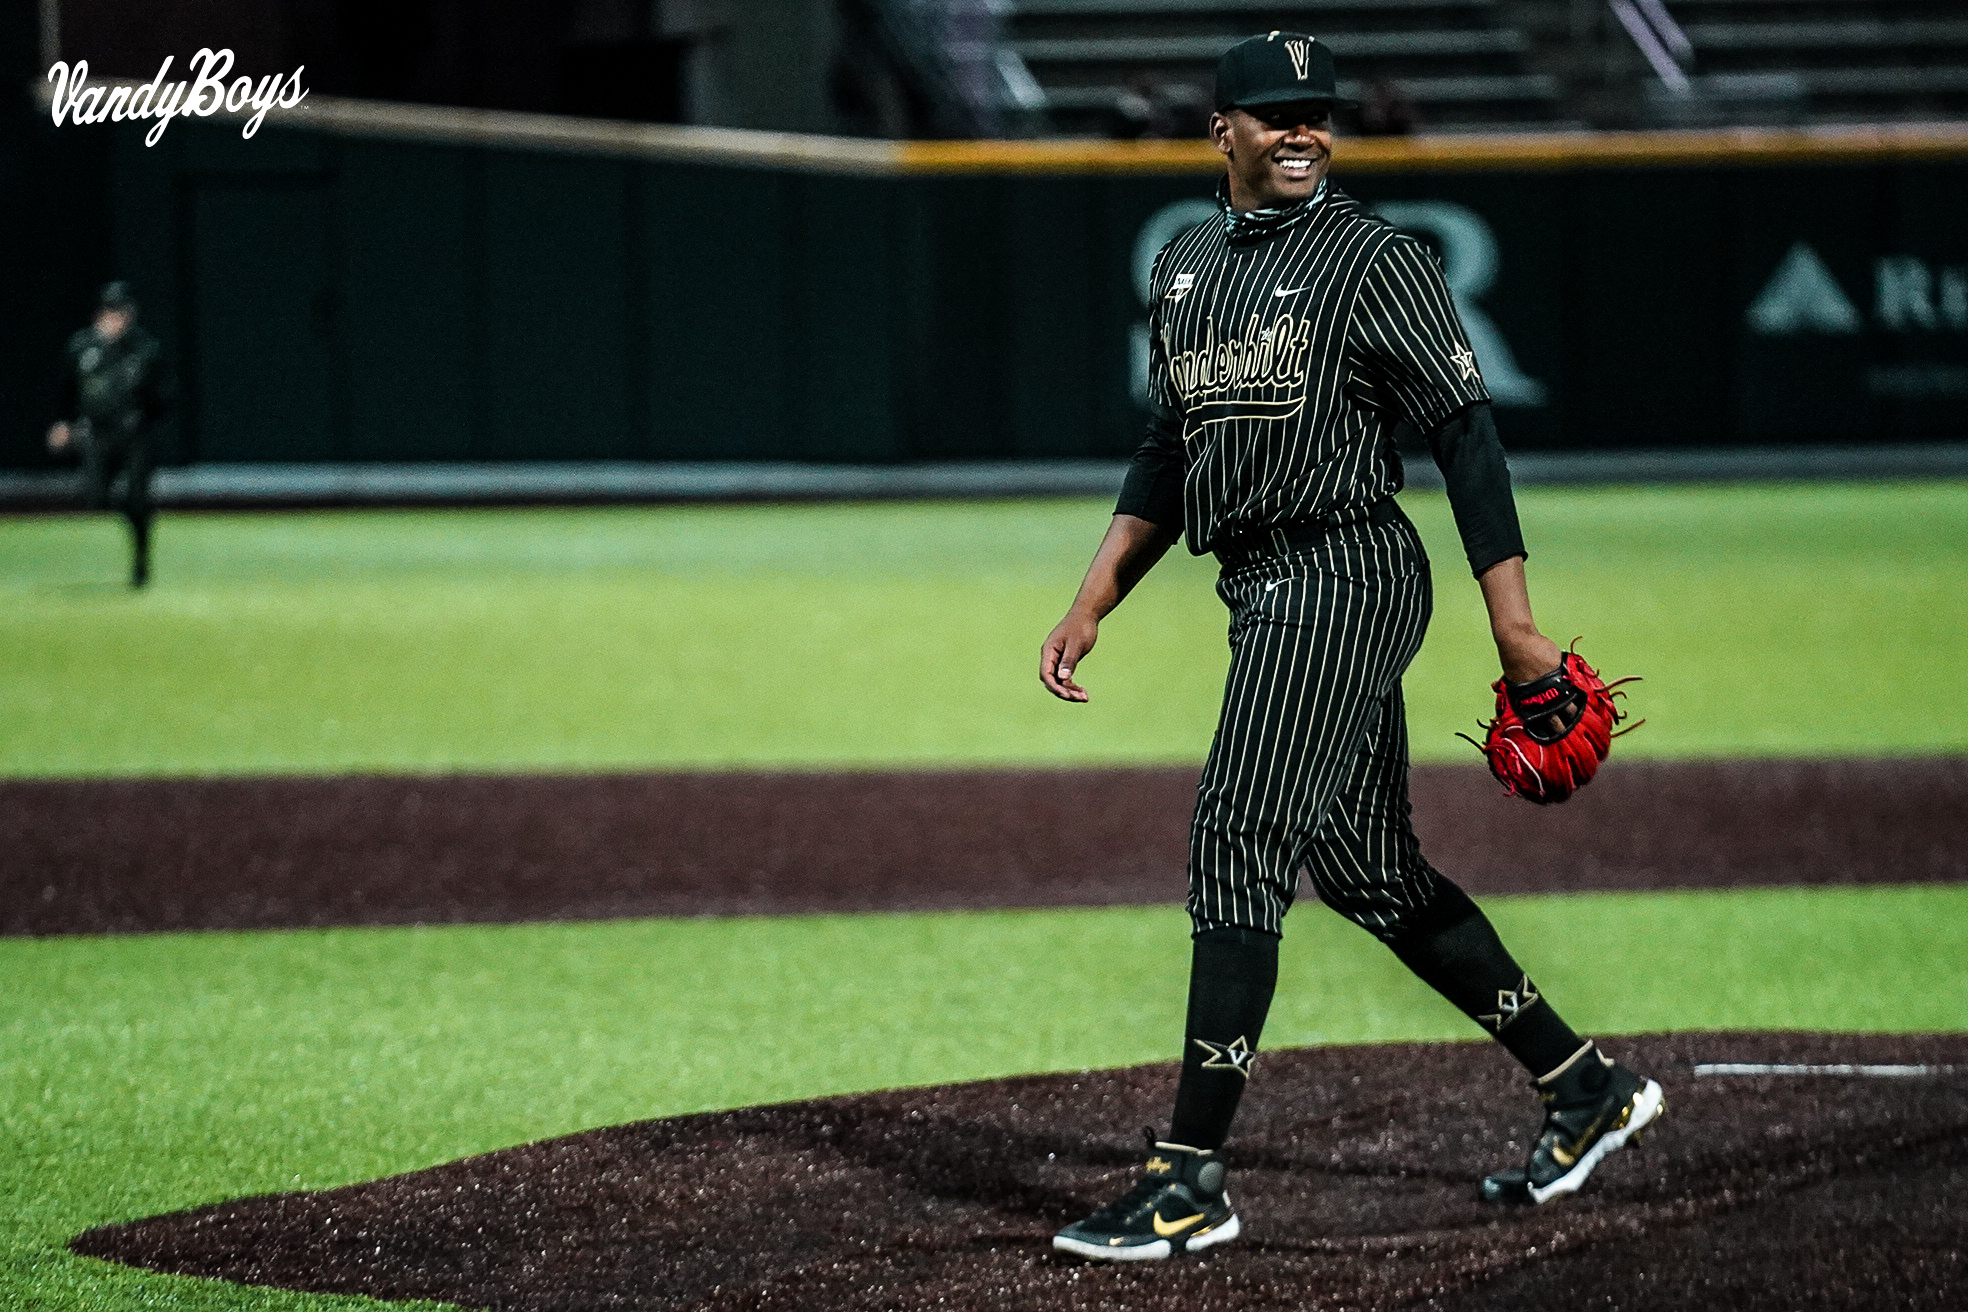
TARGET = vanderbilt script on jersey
(1257,374)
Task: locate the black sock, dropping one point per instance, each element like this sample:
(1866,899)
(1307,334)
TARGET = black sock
(1453,947)
(1232,976)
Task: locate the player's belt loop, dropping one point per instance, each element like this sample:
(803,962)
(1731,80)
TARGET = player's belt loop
(1279,542)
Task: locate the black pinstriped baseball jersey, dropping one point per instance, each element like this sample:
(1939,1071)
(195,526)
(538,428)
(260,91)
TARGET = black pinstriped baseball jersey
(1285,349)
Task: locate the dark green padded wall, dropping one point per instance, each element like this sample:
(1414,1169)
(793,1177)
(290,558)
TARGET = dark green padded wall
(342,298)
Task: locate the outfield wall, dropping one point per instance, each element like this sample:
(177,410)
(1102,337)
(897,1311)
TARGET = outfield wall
(384,283)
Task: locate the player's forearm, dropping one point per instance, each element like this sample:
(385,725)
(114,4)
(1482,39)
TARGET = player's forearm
(1126,554)
(1526,653)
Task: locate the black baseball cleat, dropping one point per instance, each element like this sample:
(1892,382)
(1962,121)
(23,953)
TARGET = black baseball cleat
(1179,1206)
(1593,1107)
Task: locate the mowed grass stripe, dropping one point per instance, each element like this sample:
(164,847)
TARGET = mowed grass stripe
(144,1074)
(1801,620)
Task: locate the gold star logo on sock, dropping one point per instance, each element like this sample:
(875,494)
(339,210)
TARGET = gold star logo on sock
(1233,1056)
(1510,1004)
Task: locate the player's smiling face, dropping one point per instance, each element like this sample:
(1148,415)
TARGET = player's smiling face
(1277,153)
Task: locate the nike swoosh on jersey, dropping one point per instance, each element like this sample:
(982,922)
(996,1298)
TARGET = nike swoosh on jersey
(1290,291)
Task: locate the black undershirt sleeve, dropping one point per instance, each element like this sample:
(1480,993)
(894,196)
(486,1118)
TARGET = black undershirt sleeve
(1470,456)
(1153,488)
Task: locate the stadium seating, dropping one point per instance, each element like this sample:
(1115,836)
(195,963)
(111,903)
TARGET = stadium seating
(1834,60)
(1142,67)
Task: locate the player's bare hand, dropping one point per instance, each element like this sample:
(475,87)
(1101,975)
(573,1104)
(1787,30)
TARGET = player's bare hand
(1528,656)
(1071,639)
(58,437)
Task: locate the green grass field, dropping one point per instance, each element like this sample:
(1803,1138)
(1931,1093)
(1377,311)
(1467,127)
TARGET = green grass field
(143,1074)
(1767,620)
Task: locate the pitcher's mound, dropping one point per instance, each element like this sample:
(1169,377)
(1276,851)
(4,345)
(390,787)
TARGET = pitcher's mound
(1355,1171)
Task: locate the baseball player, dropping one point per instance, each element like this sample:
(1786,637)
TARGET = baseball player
(1292,340)
(116,385)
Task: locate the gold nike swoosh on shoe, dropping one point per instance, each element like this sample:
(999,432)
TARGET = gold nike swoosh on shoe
(1569,1156)
(1167,1228)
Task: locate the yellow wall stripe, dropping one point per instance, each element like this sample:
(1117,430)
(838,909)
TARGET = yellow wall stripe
(1541,151)
(844,155)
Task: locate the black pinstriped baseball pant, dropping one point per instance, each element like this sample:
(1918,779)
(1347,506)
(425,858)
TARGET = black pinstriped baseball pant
(1309,769)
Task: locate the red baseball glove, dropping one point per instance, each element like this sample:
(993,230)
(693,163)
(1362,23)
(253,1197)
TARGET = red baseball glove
(1550,734)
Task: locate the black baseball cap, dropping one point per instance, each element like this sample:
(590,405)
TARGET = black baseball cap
(1275,70)
(117,296)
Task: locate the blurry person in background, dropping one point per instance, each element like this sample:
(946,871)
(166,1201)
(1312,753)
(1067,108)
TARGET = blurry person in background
(1387,111)
(116,386)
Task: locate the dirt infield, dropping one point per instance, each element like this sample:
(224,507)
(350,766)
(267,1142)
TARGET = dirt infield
(1355,1173)
(132,855)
